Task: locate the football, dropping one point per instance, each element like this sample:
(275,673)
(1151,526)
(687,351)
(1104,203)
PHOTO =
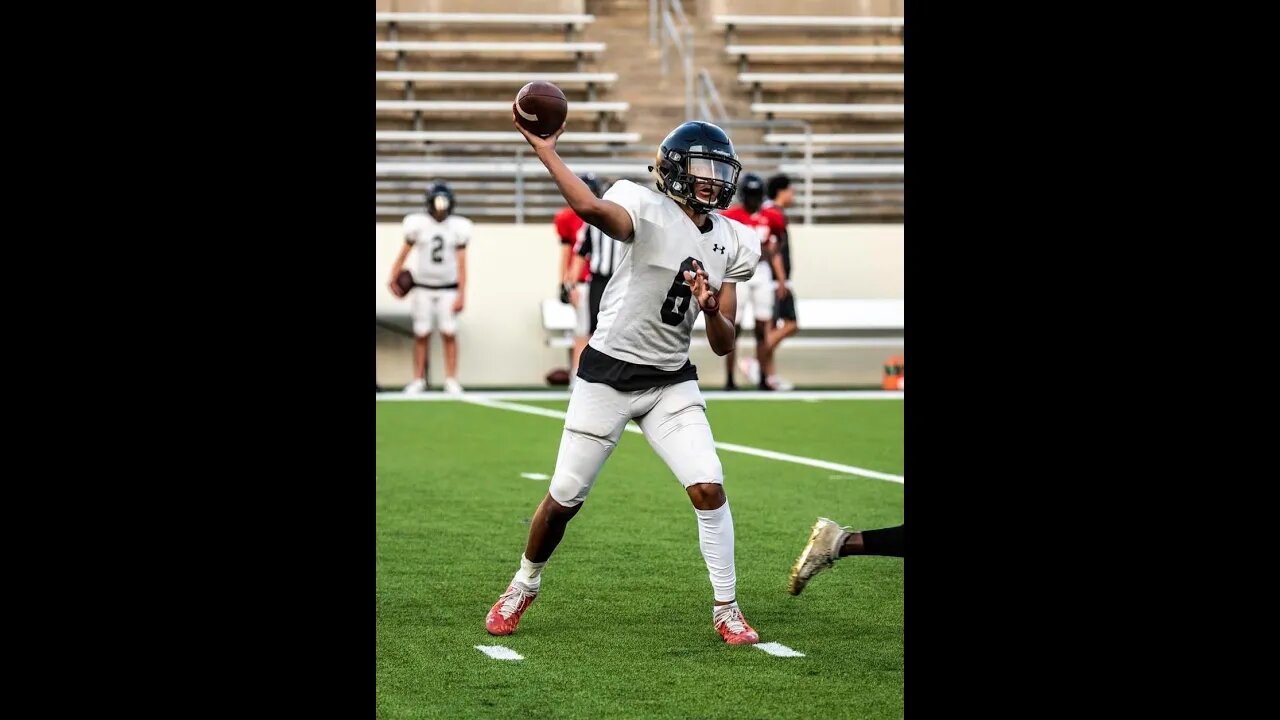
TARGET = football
(541,108)
(558,376)
(404,282)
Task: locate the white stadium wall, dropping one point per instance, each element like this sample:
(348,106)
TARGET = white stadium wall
(512,268)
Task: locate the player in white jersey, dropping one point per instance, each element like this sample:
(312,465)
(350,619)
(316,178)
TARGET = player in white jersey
(440,281)
(678,258)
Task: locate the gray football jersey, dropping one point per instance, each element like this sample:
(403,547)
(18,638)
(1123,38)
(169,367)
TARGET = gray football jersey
(647,311)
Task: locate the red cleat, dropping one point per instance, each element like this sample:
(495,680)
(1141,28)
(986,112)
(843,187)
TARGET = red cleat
(505,614)
(734,628)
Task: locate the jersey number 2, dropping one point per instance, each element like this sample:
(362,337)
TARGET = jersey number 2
(677,302)
(437,245)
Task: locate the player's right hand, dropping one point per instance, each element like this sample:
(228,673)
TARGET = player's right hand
(574,296)
(534,140)
(701,291)
(395,289)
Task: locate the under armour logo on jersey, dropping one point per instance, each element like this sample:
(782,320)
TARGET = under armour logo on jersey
(717,248)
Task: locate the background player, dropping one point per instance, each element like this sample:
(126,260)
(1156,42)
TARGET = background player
(440,281)
(766,285)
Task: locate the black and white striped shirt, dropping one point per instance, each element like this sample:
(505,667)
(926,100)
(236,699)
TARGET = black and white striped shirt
(602,252)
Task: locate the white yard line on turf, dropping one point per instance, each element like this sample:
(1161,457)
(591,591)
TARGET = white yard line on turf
(778,650)
(498,652)
(731,447)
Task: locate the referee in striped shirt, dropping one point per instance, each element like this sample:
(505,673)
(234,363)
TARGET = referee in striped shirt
(601,253)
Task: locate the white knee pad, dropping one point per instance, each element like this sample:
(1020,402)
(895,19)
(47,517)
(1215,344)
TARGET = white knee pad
(594,422)
(581,457)
(679,432)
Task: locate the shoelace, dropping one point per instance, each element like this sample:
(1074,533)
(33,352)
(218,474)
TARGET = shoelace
(733,620)
(511,601)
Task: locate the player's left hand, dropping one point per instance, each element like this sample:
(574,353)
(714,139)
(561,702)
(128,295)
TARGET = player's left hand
(697,282)
(781,291)
(457,305)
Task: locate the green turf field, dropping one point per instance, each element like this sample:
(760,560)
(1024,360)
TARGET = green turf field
(622,627)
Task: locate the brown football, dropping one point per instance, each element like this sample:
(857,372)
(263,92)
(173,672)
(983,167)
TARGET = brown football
(559,376)
(404,282)
(541,108)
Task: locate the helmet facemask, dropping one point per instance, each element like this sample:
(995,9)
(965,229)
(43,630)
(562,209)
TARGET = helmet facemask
(704,181)
(439,203)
